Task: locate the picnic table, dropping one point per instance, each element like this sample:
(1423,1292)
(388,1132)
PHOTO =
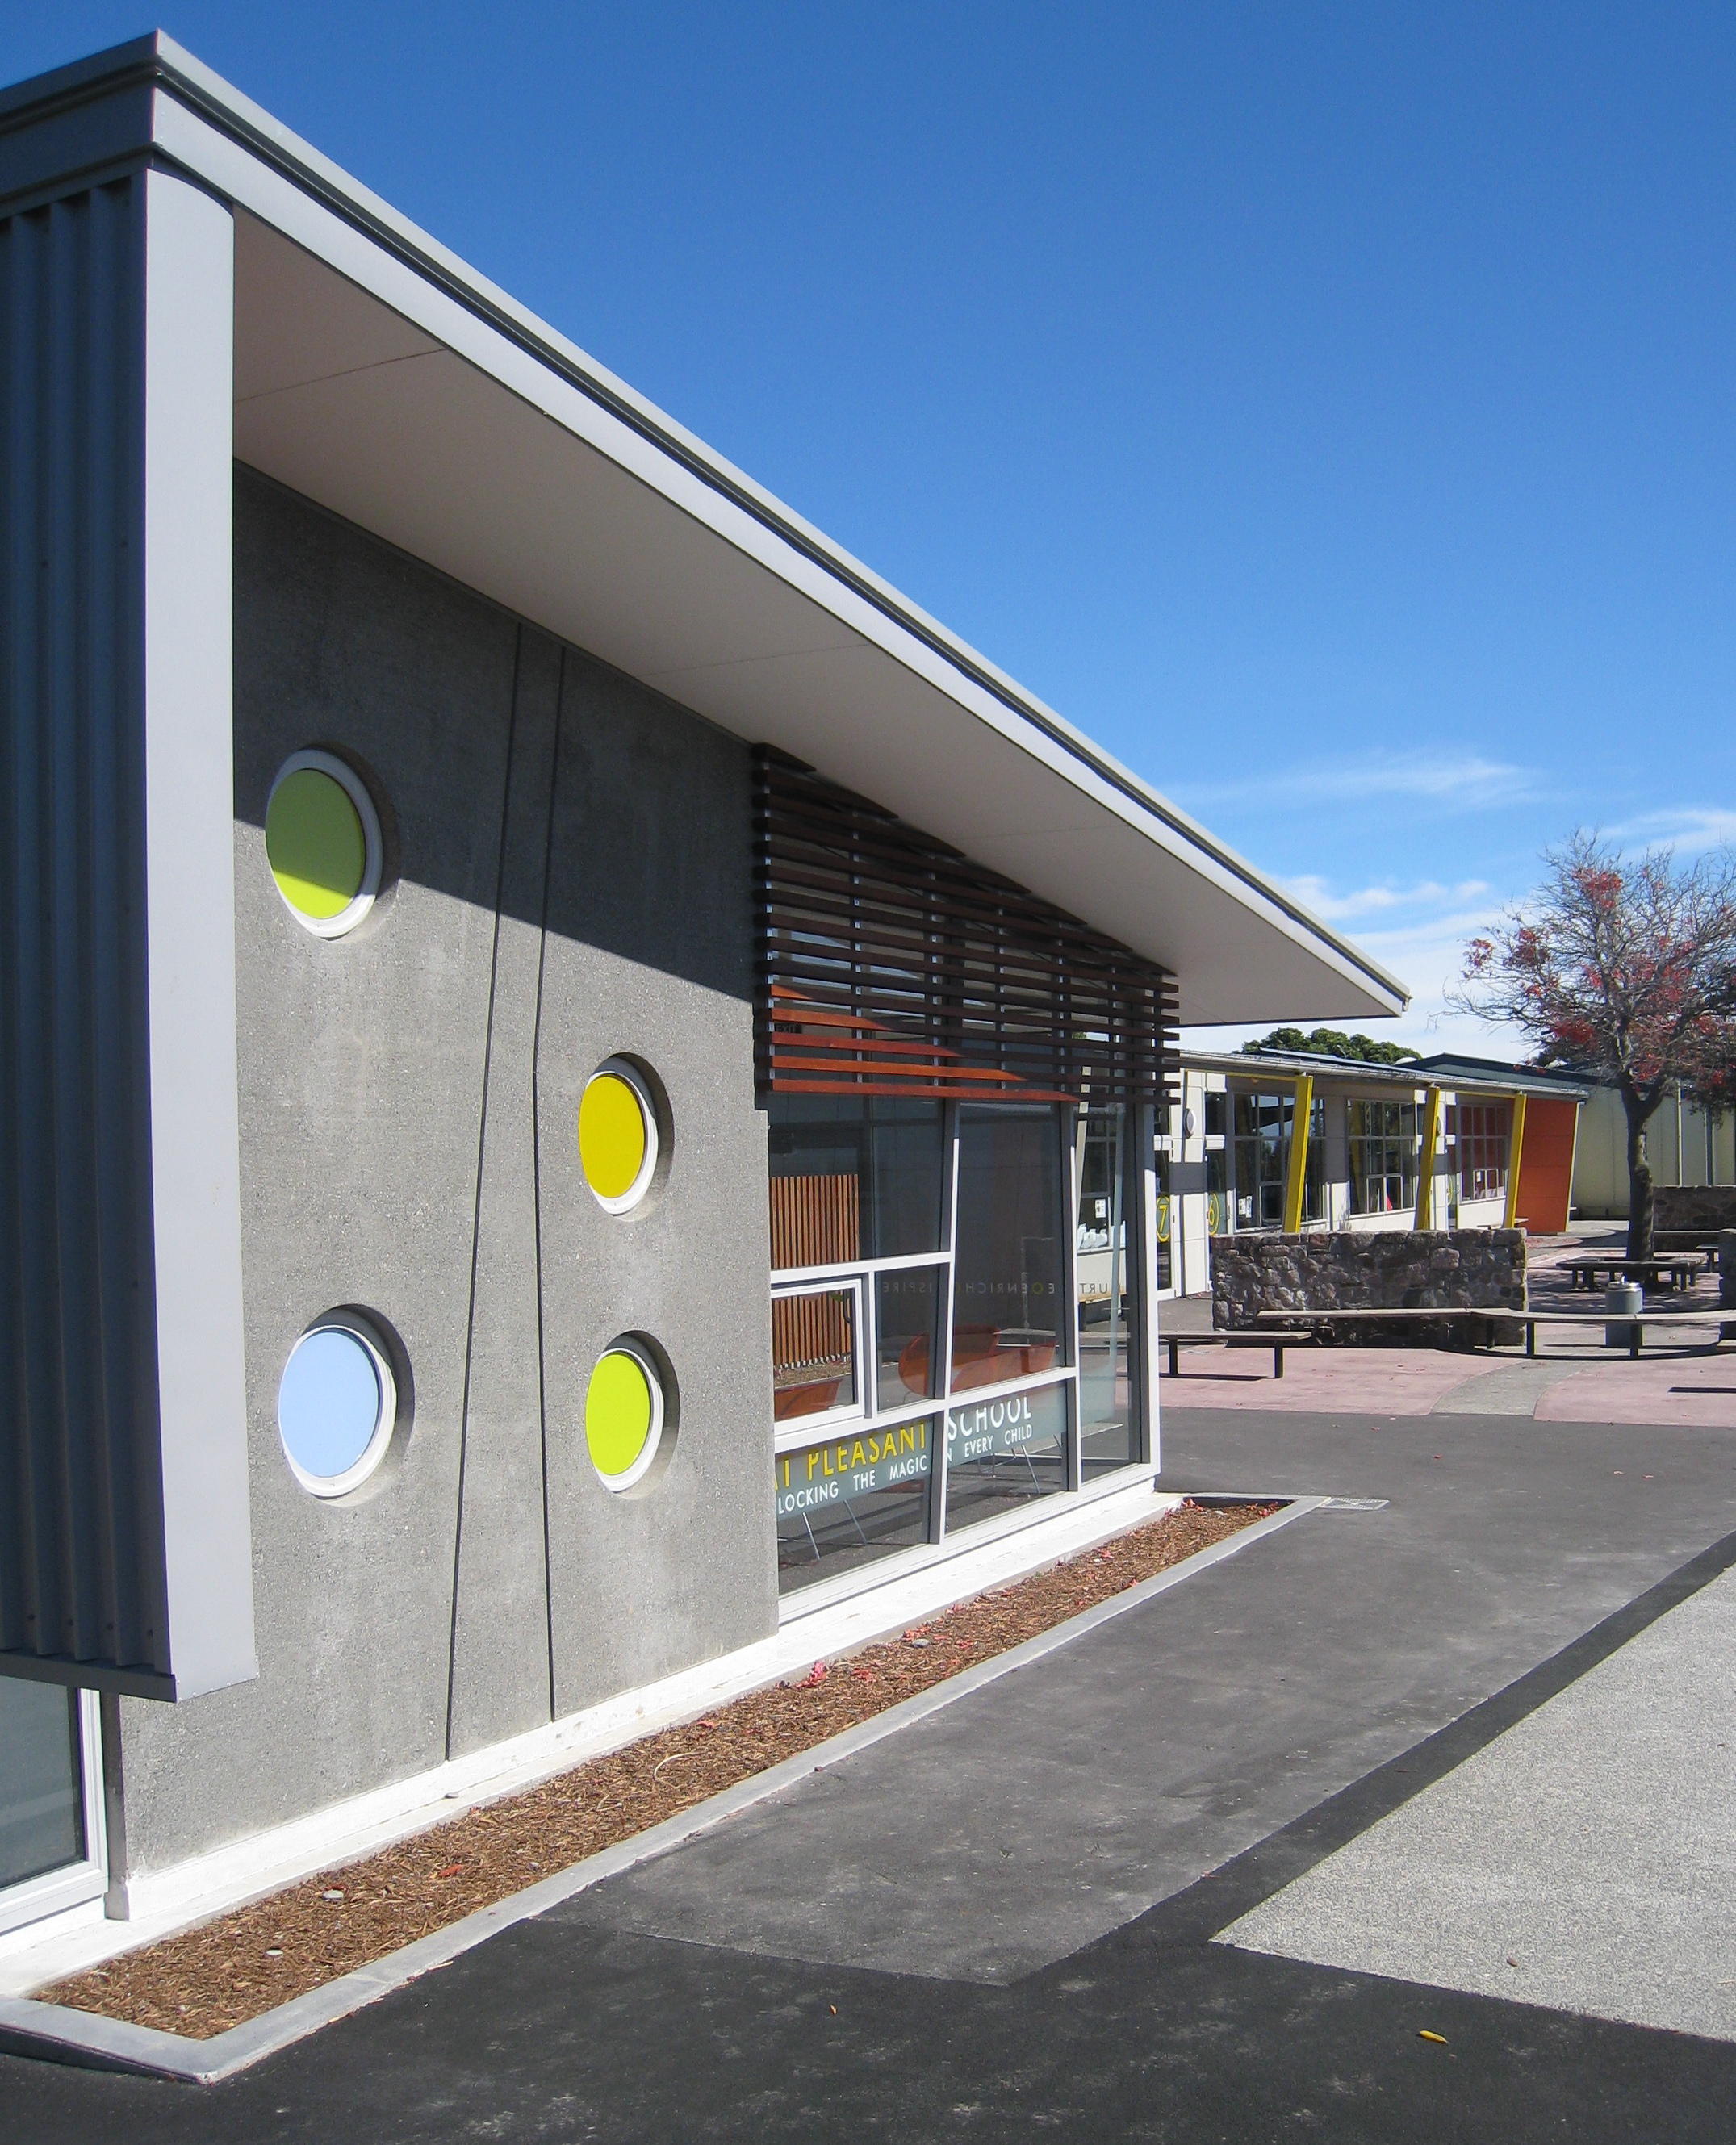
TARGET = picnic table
(1663,1269)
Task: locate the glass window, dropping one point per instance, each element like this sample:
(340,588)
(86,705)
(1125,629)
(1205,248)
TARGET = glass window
(41,1818)
(1217,1197)
(1383,1151)
(1007,1312)
(337,1405)
(852,1499)
(1314,1164)
(1108,1187)
(1261,1158)
(626,1413)
(1005,1452)
(853,1178)
(1263,1123)
(323,843)
(1481,1131)
(908,1304)
(1168,1215)
(813,1352)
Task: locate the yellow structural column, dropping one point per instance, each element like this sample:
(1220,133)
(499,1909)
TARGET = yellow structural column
(1298,1176)
(1516,1145)
(1425,1216)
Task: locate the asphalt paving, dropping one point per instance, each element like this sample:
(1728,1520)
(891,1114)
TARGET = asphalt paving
(1002,1920)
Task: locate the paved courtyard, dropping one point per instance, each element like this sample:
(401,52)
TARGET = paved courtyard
(1208,1873)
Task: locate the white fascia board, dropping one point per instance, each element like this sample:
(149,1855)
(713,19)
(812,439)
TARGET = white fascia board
(189,921)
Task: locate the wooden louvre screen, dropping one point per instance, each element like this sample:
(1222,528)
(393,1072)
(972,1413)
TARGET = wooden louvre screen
(807,1330)
(890,964)
(815,1222)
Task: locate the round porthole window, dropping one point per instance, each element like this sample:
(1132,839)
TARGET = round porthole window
(617,1135)
(624,1413)
(322,842)
(337,1405)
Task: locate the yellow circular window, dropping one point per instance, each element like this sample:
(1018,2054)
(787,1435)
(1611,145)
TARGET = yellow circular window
(623,1415)
(322,842)
(617,1135)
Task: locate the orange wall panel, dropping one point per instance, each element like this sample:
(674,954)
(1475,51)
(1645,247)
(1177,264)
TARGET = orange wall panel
(1546,1166)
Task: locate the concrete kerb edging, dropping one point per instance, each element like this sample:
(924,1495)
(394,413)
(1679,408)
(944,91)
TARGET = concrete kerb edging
(84,2038)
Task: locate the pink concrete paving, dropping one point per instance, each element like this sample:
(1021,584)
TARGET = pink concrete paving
(1696,1392)
(1322,1381)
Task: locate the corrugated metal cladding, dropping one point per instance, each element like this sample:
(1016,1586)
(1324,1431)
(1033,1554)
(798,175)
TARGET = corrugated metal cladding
(81,1533)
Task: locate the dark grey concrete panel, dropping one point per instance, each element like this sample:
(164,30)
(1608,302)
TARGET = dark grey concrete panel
(652,853)
(500,1618)
(1033,1817)
(361,1067)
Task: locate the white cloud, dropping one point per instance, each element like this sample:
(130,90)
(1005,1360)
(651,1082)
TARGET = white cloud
(1687,828)
(1468,782)
(1420,938)
(1317,895)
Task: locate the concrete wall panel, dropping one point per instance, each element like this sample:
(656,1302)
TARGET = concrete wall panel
(651,851)
(362,1088)
(501,1681)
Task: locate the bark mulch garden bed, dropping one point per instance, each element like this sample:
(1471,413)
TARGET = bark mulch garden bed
(224,1971)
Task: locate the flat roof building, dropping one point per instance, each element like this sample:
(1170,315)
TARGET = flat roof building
(1429,1142)
(579,1075)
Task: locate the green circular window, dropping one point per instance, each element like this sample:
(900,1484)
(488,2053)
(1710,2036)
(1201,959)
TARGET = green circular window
(624,1413)
(322,842)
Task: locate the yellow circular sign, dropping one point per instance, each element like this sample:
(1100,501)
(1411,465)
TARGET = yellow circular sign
(620,1413)
(314,844)
(615,1137)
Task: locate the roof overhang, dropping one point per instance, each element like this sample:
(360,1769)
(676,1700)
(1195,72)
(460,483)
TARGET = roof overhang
(379,376)
(1413,1076)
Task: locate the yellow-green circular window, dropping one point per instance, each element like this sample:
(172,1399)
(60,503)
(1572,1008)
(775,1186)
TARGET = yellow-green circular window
(624,1414)
(617,1135)
(322,842)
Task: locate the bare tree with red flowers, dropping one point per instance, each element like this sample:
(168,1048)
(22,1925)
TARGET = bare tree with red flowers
(1627,968)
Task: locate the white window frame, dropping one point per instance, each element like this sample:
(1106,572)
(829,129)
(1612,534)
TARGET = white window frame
(74,1884)
(813,1428)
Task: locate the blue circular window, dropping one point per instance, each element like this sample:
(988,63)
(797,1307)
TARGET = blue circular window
(337,1404)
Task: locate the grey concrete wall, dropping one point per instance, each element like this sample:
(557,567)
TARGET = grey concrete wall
(401,1101)
(652,837)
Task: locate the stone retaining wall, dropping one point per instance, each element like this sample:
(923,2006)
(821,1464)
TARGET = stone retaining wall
(1702,1207)
(1457,1269)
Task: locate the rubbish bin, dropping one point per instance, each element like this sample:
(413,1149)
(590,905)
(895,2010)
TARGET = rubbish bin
(1727,1269)
(1626,1296)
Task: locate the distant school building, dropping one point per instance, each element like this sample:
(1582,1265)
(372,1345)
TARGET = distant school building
(1280,1141)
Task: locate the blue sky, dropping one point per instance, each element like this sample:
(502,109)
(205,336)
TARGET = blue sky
(1329,408)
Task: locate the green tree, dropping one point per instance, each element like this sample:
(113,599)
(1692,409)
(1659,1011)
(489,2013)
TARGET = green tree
(1330,1043)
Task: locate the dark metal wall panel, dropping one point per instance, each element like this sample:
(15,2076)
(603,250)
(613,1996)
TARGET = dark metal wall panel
(888,963)
(81,1578)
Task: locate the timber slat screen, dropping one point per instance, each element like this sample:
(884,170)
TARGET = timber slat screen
(890,964)
(815,1222)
